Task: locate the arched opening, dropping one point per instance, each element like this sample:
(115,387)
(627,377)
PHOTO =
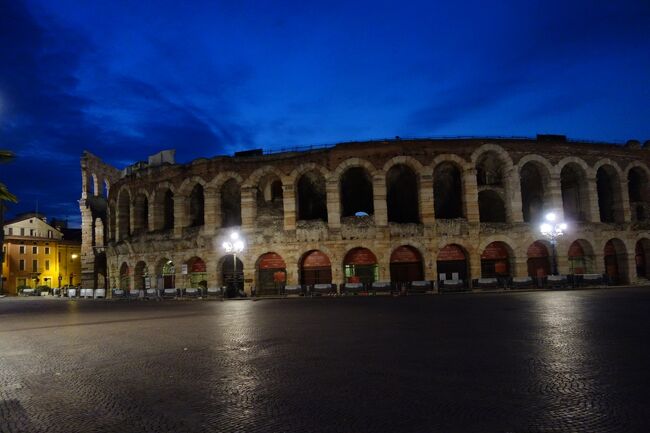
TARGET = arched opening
(360,266)
(197,271)
(610,203)
(164,209)
(402,195)
(95,182)
(495,260)
(124,215)
(270,203)
(312,197)
(616,261)
(491,207)
(315,268)
(140,213)
(356,192)
(100,271)
(406,265)
(197,204)
(539,260)
(575,192)
(106,187)
(534,180)
(230,204)
(451,263)
(232,273)
(141,276)
(637,186)
(581,257)
(271,274)
(642,258)
(490,170)
(447,191)
(166,273)
(124,277)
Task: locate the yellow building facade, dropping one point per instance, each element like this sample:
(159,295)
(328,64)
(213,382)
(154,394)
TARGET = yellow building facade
(39,254)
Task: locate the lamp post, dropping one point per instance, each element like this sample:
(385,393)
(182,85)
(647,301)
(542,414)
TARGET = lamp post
(553,229)
(234,246)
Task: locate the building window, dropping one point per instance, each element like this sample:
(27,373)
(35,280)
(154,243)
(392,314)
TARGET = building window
(47,250)
(22,249)
(32,232)
(21,265)
(34,250)
(22,232)
(10,231)
(47,265)
(49,234)
(34,265)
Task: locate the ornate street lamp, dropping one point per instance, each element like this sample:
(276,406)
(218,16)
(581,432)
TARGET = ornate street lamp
(553,229)
(234,246)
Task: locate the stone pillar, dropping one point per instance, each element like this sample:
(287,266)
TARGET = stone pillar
(213,277)
(554,195)
(379,199)
(333,205)
(292,273)
(562,259)
(474,265)
(249,275)
(212,211)
(248,208)
(430,266)
(625,202)
(180,215)
(289,204)
(592,190)
(470,199)
(520,264)
(631,268)
(513,203)
(337,273)
(131,215)
(150,215)
(427,216)
(87,253)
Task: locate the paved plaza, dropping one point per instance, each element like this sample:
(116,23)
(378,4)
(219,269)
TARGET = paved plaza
(568,361)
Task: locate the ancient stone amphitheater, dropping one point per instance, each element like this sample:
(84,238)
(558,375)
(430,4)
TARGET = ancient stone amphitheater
(395,210)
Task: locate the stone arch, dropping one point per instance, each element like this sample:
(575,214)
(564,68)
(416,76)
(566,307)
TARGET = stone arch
(497,260)
(254,179)
(95,182)
(535,184)
(642,258)
(197,273)
(165,273)
(350,163)
(408,161)
(189,183)
(356,191)
(360,264)
(462,163)
(311,195)
(106,187)
(581,257)
(125,276)
(616,261)
(448,190)
(269,196)
(315,267)
(196,206)
(140,274)
(452,263)
(606,161)
(217,182)
(608,186)
(271,273)
(502,154)
(230,196)
(402,194)
(123,213)
(406,264)
(141,211)
(231,273)
(163,206)
(638,190)
(539,259)
(574,184)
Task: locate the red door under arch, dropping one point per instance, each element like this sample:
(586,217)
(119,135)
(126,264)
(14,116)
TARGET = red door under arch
(315,268)
(406,265)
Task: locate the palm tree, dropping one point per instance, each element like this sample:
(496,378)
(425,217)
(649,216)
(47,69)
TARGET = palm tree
(5,195)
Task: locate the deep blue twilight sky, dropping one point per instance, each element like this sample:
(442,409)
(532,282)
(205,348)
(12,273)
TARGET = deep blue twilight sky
(125,79)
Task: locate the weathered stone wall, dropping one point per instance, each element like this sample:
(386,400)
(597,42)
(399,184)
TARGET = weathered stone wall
(275,227)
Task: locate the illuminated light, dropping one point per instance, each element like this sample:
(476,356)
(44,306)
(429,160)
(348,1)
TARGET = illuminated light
(239,246)
(551,216)
(74,256)
(563,226)
(545,228)
(225,245)
(234,236)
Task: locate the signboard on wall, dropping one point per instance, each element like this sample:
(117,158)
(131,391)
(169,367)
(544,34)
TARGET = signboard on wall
(184,269)
(271,261)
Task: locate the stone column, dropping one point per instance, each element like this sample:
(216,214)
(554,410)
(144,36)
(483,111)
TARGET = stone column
(292,273)
(592,191)
(427,216)
(554,195)
(333,205)
(470,199)
(180,215)
(379,199)
(87,253)
(289,204)
(562,259)
(249,275)
(513,203)
(631,268)
(248,208)
(625,202)
(520,264)
(474,265)
(212,211)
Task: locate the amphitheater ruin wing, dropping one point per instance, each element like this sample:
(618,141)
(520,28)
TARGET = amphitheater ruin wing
(381,210)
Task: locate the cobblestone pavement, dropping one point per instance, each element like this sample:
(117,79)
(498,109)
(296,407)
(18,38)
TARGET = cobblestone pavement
(573,361)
